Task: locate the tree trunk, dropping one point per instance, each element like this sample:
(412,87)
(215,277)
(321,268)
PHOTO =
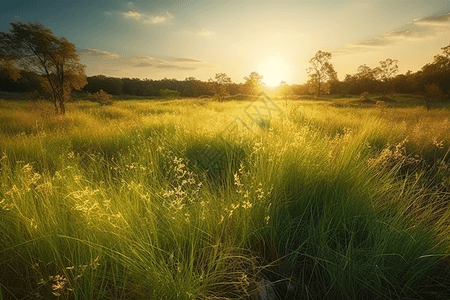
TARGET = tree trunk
(56,107)
(62,108)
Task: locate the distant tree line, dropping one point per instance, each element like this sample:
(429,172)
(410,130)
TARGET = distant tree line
(382,79)
(190,87)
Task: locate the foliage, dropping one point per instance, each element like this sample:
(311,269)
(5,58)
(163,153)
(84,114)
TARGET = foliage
(285,91)
(101,97)
(218,86)
(321,73)
(385,73)
(438,71)
(169,94)
(34,48)
(433,94)
(364,96)
(362,81)
(253,84)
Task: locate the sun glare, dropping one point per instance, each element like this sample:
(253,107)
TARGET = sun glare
(274,69)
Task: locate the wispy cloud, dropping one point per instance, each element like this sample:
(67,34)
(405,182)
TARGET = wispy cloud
(377,42)
(419,30)
(161,63)
(204,32)
(132,14)
(175,67)
(188,60)
(410,34)
(157,19)
(94,52)
(435,20)
(148,19)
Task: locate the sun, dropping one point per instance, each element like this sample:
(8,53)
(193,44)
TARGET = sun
(274,69)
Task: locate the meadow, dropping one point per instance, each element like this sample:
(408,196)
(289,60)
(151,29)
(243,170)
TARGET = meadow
(194,199)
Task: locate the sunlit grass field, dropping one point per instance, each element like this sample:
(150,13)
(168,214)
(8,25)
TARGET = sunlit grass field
(192,199)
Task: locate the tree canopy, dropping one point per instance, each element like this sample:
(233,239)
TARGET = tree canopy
(34,48)
(218,85)
(321,73)
(385,73)
(253,84)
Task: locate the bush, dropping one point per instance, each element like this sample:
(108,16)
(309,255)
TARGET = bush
(169,94)
(364,96)
(433,94)
(101,97)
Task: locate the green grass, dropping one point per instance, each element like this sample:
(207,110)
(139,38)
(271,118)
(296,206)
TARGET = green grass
(162,200)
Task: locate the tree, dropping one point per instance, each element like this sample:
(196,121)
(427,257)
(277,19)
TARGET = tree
(253,83)
(285,91)
(321,73)
(433,94)
(385,74)
(34,48)
(438,71)
(101,97)
(366,79)
(170,94)
(218,86)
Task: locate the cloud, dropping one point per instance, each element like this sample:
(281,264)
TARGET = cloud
(405,34)
(204,32)
(168,63)
(434,20)
(419,30)
(188,60)
(97,53)
(174,67)
(157,19)
(150,62)
(132,14)
(377,42)
(160,19)
(148,19)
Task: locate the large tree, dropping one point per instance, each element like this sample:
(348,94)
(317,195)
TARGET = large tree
(438,71)
(321,73)
(285,91)
(34,48)
(385,73)
(218,86)
(253,84)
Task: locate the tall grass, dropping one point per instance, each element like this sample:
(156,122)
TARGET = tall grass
(123,202)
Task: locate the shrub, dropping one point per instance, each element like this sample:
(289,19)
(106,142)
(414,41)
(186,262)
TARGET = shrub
(169,94)
(364,96)
(433,94)
(101,97)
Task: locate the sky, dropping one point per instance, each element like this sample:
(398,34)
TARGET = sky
(180,39)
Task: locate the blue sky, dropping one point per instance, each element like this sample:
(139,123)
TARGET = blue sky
(178,39)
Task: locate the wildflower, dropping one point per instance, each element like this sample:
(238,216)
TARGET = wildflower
(95,263)
(5,205)
(247,205)
(439,145)
(59,284)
